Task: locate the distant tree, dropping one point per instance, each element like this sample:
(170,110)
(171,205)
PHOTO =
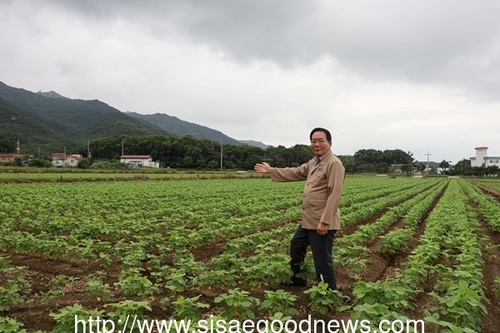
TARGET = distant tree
(187,162)
(213,165)
(278,156)
(6,146)
(493,171)
(463,167)
(407,168)
(368,156)
(444,164)
(241,157)
(381,167)
(84,163)
(479,171)
(370,161)
(348,162)
(300,154)
(421,167)
(41,162)
(397,156)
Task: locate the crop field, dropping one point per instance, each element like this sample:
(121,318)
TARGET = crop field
(164,248)
(12,176)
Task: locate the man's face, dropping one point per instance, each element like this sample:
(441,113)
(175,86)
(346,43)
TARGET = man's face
(319,144)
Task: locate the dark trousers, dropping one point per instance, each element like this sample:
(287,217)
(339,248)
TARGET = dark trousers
(321,247)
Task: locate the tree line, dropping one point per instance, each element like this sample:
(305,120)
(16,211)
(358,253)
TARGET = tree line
(187,152)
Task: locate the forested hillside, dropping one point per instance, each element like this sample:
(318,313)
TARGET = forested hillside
(176,126)
(49,122)
(48,125)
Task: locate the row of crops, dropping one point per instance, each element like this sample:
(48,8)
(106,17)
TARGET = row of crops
(217,248)
(72,175)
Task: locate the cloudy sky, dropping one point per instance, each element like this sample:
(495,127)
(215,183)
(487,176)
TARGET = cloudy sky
(421,76)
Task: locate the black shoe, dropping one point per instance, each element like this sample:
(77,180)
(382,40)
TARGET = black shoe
(294,283)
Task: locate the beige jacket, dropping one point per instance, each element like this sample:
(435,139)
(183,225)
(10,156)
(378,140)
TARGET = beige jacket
(322,192)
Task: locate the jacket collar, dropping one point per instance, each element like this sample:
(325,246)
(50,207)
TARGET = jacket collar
(322,159)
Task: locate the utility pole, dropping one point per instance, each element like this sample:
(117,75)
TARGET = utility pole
(221,152)
(428,162)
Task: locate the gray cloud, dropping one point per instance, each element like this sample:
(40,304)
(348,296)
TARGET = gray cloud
(447,42)
(384,74)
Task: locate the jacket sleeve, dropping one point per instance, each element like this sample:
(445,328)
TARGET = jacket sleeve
(336,175)
(290,174)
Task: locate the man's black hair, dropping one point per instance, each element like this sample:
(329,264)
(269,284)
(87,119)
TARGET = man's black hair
(321,129)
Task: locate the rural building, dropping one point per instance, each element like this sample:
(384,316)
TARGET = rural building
(62,159)
(396,168)
(399,168)
(482,158)
(7,158)
(139,161)
(11,157)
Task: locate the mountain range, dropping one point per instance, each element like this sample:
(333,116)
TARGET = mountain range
(47,122)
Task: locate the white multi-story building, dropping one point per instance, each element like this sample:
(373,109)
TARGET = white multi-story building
(482,158)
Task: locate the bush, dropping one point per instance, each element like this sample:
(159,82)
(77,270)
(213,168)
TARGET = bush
(84,163)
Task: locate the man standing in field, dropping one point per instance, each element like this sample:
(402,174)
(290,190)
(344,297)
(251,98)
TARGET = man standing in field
(324,176)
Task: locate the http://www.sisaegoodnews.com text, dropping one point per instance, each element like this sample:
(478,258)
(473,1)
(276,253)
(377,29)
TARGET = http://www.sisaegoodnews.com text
(217,325)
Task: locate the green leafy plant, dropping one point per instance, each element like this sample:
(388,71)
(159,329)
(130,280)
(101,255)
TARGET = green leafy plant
(61,281)
(176,281)
(105,258)
(265,269)
(96,288)
(279,301)
(128,308)
(9,325)
(221,277)
(375,313)
(461,305)
(323,299)
(65,318)
(165,303)
(238,302)
(280,316)
(443,326)
(396,242)
(394,297)
(8,297)
(496,286)
(134,284)
(49,298)
(187,307)
(13,284)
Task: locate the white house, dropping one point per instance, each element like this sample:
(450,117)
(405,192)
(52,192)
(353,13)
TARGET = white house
(62,159)
(139,161)
(482,158)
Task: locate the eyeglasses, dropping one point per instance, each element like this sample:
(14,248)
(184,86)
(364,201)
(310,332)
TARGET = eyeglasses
(321,141)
